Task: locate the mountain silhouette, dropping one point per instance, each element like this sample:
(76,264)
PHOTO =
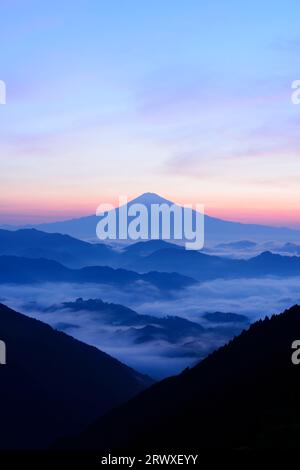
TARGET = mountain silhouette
(238,245)
(53,384)
(291,248)
(216,230)
(204,267)
(225,317)
(19,270)
(72,252)
(244,395)
(143,328)
(145,248)
(32,243)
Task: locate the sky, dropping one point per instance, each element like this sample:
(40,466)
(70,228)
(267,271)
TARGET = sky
(190,100)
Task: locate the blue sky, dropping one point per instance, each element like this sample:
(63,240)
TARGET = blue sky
(187,99)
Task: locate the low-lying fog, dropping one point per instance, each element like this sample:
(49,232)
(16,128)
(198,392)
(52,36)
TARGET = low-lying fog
(254,298)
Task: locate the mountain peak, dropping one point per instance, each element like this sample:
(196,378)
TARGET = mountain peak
(150,198)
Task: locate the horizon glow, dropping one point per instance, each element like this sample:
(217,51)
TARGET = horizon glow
(190,101)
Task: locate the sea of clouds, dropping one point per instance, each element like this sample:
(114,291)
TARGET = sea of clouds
(254,298)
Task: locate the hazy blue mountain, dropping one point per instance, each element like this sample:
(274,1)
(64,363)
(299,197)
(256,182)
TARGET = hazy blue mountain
(31,243)
(136,252)
(145,248)
(53,384)
(203,267)
(19,270)
(244,395)
(157,344)
(166,269)
(184,261)
(225,317)
(268,263)
(291,248)
(141,328)
(107,312)
(239,245)
(171,329)
(216,230)
(72,252)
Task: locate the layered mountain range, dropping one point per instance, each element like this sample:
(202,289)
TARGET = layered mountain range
(33,256)
(242,396)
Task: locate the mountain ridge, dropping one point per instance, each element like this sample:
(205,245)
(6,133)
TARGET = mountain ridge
(242,396)
(216,230)
(14,269)
(53,384)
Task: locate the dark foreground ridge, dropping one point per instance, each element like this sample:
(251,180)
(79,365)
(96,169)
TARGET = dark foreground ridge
(245,395)
(53,384)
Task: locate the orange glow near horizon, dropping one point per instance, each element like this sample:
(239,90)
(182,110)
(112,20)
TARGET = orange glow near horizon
(56,209)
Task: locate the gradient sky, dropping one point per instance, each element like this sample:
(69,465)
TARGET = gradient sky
(191,100)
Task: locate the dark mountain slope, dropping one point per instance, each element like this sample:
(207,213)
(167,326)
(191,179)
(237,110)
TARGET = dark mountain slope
(244,395)
(53,384)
